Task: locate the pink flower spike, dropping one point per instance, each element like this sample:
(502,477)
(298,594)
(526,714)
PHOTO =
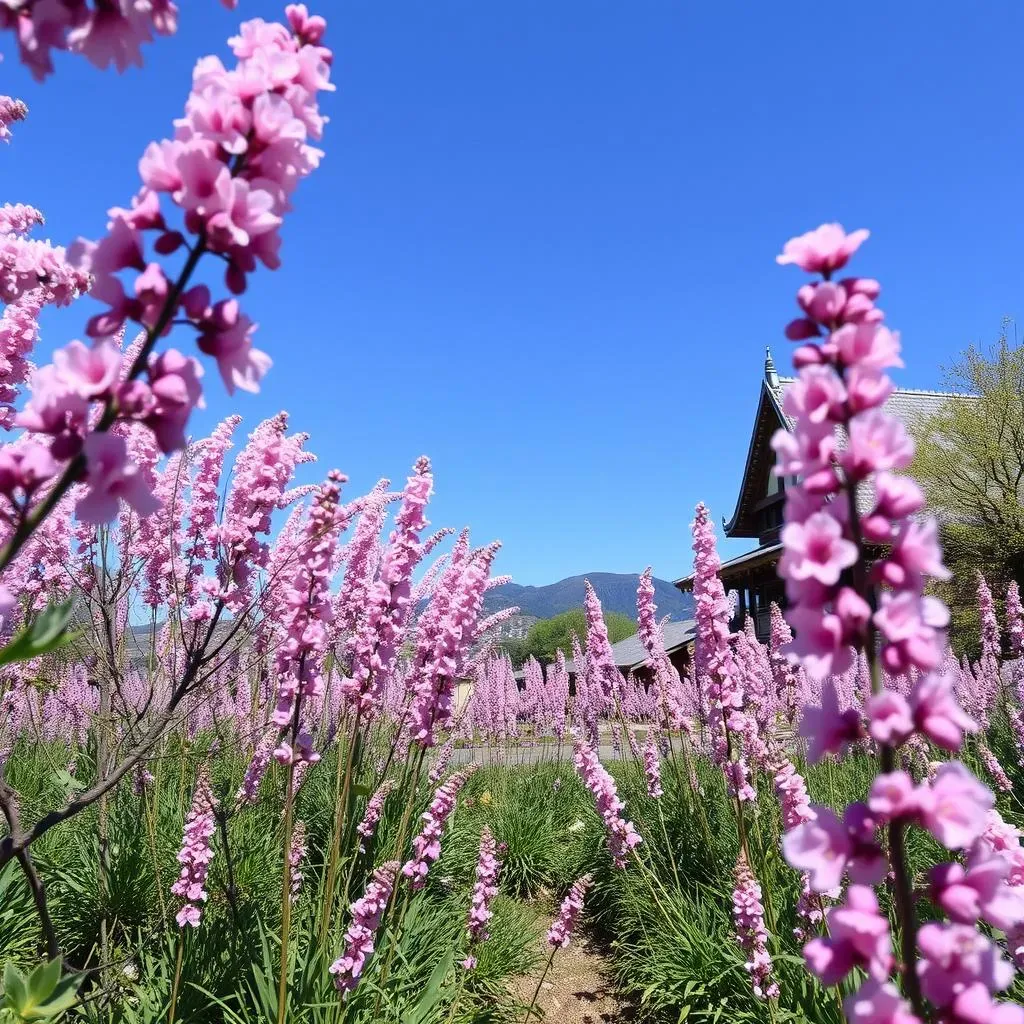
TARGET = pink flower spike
(110,477)
(825,847)
(823,250)
(955,806)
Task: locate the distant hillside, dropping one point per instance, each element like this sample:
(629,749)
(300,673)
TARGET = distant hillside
(617,591)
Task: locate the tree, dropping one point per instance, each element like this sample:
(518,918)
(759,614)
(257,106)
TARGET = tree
(970,462)
(550,635)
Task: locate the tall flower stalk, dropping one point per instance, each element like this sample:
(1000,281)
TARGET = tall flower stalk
(857,557)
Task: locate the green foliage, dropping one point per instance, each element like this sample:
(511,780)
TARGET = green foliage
(554,634)
(970,462)
(41,996)
(46,633)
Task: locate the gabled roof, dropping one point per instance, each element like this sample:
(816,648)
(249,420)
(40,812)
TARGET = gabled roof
(629,654)
(908,405)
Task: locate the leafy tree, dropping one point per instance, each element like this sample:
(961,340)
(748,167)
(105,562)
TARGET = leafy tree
(970,462)
(550,635)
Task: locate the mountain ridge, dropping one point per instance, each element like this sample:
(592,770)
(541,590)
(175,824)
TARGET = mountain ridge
(617,591)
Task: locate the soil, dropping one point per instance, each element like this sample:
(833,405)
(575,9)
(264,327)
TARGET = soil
(578,989)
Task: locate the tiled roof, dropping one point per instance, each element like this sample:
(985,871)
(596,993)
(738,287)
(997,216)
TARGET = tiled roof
(767,552)
(630,654)
(908,405)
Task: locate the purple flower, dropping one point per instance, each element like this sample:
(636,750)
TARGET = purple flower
(484,889)
(360,935)
(858,936)
(427,845)
(748,918)
(196,853)
(622,835)
(367,828)
(560,932)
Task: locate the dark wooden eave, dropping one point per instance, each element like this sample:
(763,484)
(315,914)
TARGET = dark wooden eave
(760,459)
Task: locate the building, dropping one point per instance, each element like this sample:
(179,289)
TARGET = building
(631,658)
(758,512)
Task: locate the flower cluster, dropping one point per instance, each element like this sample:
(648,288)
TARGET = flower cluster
(652,765)
(196,853)
(296,855)
(105,32)
(426,846)
(366,915)
(484,890)
(748,918)
(622,835)
(11,110)
(367,828)
(238,154)
(857,556)
(255,770)
(560,933)
(718,674)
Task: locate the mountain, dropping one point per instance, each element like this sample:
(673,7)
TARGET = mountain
(617,591)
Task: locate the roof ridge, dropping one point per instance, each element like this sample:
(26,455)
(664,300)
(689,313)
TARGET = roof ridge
(908,391)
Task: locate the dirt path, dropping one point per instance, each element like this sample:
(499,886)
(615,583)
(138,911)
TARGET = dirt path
(578,988)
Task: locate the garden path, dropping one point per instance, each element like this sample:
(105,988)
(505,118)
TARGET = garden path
(578,989)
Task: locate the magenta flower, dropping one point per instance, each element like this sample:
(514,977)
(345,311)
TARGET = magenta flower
(621,834)
(652,766)
(977,891)
(560,932)
(975,1005)
(826,848)
(878,1003)
(890,719)
(823,250)
(111,478)
(367,828)
(485,888)
(361,933)
(426,846)
(954,807)
(827,729)
(937,713)
(11,110)
(816,550)
(196,853)
(748,920)
(858,936)
(955,957)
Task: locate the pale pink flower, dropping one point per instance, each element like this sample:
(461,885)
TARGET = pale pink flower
(858,936)
(823,250)
(111,478)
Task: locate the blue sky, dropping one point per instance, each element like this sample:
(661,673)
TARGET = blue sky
(541,246)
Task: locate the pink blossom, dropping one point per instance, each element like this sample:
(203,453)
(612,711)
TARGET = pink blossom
(975,1005)
(877,442)
(858,936)
(955,957)
(110,478)
(11,110)
(485,888)
(196,853)
(893,795)
(751,933)
(937,713)
(622,835)
(366,915)
(176,391)
(816,550)
(977,891)
(876,1002)
(954,807)
(823,250)
(560,932)
(829,730)
(890,718)
(912,627)
(826,848)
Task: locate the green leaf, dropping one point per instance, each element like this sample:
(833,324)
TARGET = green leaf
(14,987)
(47,632)
(433,992)
(42,981)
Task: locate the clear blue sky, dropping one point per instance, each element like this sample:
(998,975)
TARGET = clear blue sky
(541,247)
